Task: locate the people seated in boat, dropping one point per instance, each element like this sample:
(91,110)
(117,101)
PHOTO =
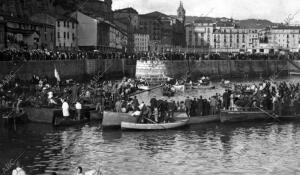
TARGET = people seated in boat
(135,102)
(171,109)
(155,114)
(78,107)
(153,103)
(145,113)
(123,106)
(65,108)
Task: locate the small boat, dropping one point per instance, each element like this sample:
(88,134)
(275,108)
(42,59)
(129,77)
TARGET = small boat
(226,84)
(114,119)
(143,87)
(154,126)
(241,116)
(203,87)
(13,118)
(179,88)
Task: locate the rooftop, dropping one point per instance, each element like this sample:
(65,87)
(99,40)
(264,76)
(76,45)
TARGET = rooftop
(126,10)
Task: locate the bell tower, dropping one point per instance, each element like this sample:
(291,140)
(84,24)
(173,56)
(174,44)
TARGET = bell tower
(181,13)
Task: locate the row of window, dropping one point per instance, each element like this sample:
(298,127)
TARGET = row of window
(64,45)
(66,35)
(66,24)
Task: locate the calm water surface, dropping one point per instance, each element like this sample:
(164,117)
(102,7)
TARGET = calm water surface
(241,148)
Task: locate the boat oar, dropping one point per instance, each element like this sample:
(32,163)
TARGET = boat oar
(155,122)
(274,117)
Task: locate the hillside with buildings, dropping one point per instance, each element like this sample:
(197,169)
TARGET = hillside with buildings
(93,25)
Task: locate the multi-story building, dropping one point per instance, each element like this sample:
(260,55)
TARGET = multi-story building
(220,36)
(130,18)
(117,38)
(229,40)
(45,36)
(66,33)
(141,42)
(235,40)
(99,34)
(199,35)
(2,34)
(165,32)
(285,38)
(24,33)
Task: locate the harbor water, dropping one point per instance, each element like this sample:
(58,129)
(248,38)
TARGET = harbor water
(267,147)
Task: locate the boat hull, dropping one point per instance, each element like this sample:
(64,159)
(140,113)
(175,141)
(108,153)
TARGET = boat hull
(199,119)
(158,126)
(67,122)
(241,116)
(114,119)
(48,115)
(21,118)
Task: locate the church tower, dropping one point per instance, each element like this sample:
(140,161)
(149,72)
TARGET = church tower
(181,13)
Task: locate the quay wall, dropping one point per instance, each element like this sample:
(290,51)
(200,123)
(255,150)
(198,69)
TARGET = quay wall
(158,70)
(76,69)
(151,70)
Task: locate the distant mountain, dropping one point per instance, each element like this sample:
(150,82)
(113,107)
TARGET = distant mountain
(247,23)
(255,23)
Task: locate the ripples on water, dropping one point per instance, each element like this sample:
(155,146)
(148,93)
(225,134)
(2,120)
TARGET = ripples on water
(244,148)
(253,148)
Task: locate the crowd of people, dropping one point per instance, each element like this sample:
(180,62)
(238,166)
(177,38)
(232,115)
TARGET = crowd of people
(275,98)
(39,54)
(68,95)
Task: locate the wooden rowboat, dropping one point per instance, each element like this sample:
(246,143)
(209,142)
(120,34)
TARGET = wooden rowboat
(154,126)
(144,87)
(114,119)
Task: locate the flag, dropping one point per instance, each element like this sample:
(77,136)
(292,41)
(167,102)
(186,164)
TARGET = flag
(56,75)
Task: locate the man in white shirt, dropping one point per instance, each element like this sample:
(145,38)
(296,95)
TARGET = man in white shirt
(18,170)
(78,108)
(65,108)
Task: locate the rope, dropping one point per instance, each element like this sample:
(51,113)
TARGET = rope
(274,117)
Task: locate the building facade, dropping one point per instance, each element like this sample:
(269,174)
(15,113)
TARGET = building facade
(24,33)
(130,18)
(199,35)
(141,42)
(99,34)
(47,37)
(165,32)
(2,34)
(285,38)
(66,33)
(206,36)
(117,39)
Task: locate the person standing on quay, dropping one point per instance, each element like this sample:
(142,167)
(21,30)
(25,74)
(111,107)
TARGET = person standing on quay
(78,107)
(188,105)
(65,108)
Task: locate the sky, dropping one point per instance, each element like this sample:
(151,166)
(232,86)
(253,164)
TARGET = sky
(274,10)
